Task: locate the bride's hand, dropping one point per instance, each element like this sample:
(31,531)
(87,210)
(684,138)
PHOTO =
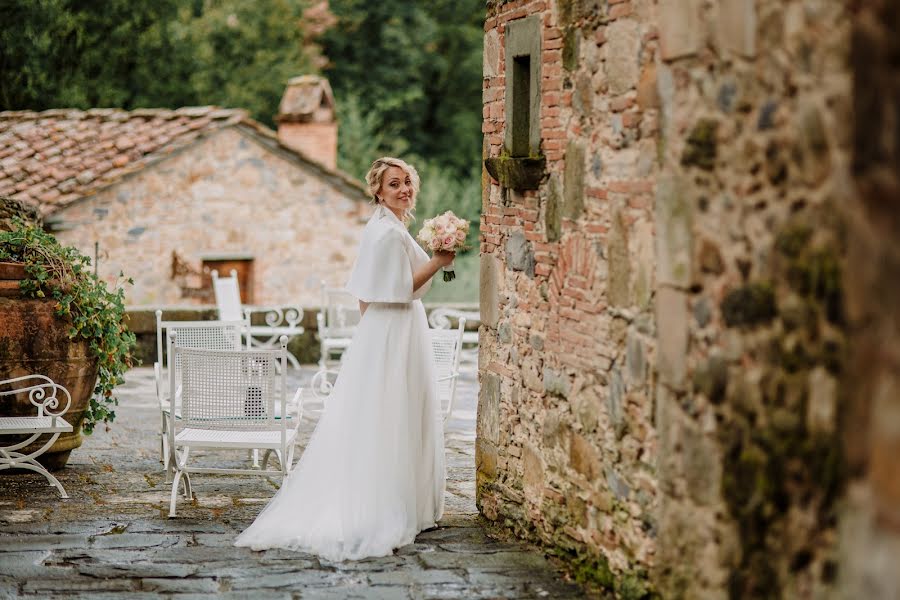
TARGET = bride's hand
(444,258)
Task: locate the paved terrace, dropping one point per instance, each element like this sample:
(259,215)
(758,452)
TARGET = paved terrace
(112,539)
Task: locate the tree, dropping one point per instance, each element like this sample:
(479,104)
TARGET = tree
(417,68)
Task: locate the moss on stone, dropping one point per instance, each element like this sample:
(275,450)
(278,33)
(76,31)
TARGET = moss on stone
(793,239)
(571,42)
(817,274)
(517,173)
(751,304)
(701,145)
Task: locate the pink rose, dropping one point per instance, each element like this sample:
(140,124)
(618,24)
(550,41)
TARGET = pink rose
(435,243)
(460,235)
(449,242)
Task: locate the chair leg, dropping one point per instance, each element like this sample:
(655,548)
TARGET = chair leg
(174,496)
(255,453)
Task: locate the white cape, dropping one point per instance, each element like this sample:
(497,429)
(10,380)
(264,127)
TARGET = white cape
(372,475)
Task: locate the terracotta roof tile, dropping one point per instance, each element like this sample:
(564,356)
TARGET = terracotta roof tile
(56,156)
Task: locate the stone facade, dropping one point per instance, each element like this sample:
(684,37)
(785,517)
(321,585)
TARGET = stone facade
(680,371)
(232,193)
(567,444)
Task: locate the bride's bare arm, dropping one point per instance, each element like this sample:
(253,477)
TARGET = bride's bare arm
(440,259)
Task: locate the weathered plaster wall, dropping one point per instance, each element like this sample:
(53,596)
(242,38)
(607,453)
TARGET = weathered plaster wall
(226,194)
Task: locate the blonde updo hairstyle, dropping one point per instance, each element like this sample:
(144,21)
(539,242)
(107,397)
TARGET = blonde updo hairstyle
(375,177)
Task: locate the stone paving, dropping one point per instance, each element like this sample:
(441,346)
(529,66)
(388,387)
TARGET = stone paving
(112,538)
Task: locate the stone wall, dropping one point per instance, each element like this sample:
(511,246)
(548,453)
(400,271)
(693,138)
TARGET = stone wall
(870,520)
(227,194)
(566,441)
(750,305)
(686,354)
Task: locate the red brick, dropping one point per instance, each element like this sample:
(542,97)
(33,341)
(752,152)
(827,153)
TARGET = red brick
(543,269)
(529,215)
(594,192)
(552,84)
(600,36)
(596,228)
(631,119)
(534,236)
(552,71)
(550,98)
(509,221)
(552,44)
(554,155)
(620,10)
(551,33)
(630,187)
(620,103)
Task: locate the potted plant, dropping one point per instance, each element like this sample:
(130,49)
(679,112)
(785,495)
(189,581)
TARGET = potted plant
(57,318)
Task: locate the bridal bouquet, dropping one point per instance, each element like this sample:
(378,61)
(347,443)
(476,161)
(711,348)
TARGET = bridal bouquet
(445,232)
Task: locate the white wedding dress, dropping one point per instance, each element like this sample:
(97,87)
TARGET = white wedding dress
(372,475)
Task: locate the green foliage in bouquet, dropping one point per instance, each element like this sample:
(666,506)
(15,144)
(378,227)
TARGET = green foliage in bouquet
(95,312)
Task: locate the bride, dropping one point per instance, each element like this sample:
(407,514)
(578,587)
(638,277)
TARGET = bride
(372,475)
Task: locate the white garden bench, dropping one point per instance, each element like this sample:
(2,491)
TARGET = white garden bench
(51,401)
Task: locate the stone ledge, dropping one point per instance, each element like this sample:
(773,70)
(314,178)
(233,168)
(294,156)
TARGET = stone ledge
(523,173)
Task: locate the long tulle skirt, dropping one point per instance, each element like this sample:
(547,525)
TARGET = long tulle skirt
(372,475)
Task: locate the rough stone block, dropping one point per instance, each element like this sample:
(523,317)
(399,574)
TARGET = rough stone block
(737,26)
(519,254)
(672,323)
(573,180)
(674,235)
(491,54)
(488,425)
(680,28)
(623,45)
(489,290)
(553,208)
(584,458)
(617,291)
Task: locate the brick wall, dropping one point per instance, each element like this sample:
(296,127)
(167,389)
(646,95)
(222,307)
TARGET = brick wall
(566,442)
(688,373)
(225,195)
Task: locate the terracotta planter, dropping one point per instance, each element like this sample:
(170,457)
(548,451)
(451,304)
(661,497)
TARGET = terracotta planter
(34,340)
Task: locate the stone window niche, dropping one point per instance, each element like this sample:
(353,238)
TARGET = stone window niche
(521,166)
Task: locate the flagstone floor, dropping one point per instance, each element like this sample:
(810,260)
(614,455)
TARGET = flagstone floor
(112,538)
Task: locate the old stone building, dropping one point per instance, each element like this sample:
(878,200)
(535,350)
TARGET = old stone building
(689,352)
(165,196)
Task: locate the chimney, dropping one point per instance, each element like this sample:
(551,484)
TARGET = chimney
(306,119)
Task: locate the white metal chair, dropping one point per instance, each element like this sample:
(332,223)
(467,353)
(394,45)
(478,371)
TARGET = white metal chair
(230,399)
(51,401)
(337,320)
(447,345)
(442,318)
(279,320)
(204,335)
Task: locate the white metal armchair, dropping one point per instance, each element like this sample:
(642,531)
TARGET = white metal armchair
(206,335)
(337,320)
(229,400)
(284,320)
(442,318)
(447,345)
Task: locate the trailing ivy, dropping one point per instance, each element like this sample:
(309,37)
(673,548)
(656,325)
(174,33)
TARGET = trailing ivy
(95,312)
